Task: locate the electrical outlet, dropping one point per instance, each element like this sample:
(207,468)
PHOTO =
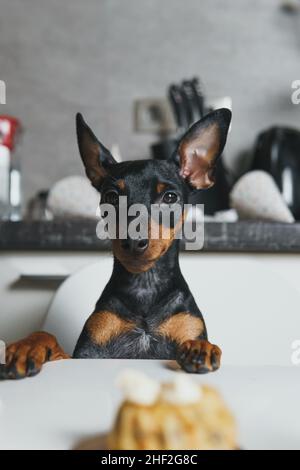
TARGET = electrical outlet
(153,115)
(2,92)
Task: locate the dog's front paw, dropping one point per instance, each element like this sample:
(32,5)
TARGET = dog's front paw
(25,358)
(199,356)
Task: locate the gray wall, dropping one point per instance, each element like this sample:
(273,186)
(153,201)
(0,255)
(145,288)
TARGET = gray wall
(98,56)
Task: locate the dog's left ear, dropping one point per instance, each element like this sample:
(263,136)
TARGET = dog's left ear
(96,158)
(201,146)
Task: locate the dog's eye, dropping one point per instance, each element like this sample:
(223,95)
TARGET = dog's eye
(111,197)
(170,197)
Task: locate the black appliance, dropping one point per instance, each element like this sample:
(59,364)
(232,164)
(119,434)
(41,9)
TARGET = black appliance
(277,151)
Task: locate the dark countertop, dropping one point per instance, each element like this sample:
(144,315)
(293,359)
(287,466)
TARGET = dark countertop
(80,235)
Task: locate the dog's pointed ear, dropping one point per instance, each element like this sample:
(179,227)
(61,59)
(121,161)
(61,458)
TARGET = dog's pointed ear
(200,147)
(96,158)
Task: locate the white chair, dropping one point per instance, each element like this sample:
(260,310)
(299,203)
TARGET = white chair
(251,311)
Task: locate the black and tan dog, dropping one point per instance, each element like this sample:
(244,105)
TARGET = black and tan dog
(146,310)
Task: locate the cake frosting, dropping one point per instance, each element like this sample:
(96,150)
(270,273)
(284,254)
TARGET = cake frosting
(177,415)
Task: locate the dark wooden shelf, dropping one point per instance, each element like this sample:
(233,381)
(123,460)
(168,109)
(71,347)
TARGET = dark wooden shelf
(80,235)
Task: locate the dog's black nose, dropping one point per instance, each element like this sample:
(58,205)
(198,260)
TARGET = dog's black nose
(135,246)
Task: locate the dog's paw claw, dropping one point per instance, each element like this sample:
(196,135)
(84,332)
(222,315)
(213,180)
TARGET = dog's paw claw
(26,357)
(20,365)
(199,356)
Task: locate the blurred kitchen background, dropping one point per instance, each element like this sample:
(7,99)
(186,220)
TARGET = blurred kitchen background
(117,62)
(99,57)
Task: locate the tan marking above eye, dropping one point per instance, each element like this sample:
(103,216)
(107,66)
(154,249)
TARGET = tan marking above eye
(181,327)
(104,326)
(121,184)
(160,187)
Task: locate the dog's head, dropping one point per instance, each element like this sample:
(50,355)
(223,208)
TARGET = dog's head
(153,183)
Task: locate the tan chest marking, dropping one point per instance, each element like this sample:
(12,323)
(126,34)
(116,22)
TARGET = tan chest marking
(181,327)
(121,184)
(104,326)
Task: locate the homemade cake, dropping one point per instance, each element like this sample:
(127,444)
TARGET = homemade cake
(173,416)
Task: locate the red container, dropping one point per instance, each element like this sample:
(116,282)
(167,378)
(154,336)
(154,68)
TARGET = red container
(10,127)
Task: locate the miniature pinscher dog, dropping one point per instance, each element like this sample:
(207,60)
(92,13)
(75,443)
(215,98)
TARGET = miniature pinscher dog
(146,310)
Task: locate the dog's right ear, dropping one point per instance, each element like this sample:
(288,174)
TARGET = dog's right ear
(96,158)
